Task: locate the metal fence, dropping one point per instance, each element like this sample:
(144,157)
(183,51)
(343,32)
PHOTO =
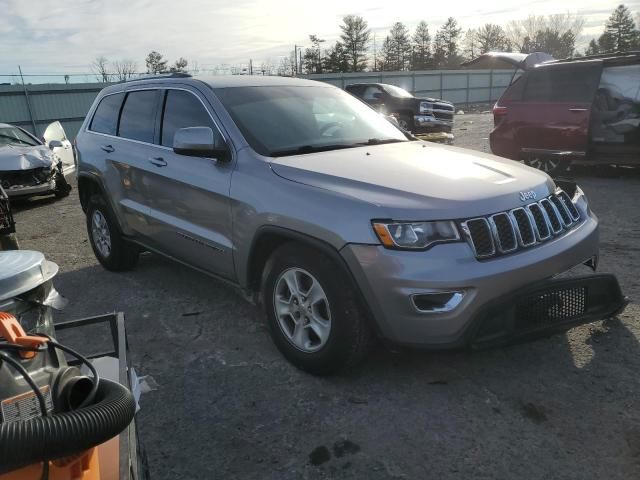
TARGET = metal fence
(35,106)
(462,87)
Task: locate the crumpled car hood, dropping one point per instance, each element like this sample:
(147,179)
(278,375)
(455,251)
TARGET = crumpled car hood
(14,157)
(418,177)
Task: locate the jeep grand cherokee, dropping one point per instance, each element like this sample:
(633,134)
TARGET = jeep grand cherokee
(326,214)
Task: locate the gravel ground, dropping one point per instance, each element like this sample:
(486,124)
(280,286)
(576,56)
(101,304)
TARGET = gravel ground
(228,406)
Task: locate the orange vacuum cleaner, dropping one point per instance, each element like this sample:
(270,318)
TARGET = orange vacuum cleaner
(52,416)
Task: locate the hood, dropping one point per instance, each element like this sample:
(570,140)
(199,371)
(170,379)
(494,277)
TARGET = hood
(14,157)
(507,60)
(434,100)
(418,180)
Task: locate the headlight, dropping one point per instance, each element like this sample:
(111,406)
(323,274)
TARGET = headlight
(426,107)
(415,235)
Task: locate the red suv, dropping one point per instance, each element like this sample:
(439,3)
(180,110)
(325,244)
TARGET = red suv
(585,109)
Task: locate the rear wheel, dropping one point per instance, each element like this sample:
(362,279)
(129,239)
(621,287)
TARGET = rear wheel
(550,165)
(312,312)
(110,248)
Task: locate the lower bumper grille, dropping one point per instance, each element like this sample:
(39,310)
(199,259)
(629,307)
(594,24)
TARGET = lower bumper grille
(552,306)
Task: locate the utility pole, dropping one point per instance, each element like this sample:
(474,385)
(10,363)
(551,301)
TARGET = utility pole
(297,50)
(250,67)
(26,97)
(375,55)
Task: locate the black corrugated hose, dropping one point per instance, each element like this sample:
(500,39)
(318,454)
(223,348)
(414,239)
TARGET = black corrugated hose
(61,435)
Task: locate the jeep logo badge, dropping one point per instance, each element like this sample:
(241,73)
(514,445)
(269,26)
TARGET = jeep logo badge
(530,195)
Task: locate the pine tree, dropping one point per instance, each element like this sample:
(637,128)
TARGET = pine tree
(621,29)
(421,47)
(593,48)
(355,40)
(396,49)
(446,44)
(491,38)
(336,60)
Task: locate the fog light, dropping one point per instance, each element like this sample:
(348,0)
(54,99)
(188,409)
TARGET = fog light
(437,302)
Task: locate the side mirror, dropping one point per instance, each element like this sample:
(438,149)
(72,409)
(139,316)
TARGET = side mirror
(55,144)
(377,96)
(199,142)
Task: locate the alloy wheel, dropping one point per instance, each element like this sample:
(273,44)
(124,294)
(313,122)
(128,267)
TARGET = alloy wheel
(302,310)
(100,233)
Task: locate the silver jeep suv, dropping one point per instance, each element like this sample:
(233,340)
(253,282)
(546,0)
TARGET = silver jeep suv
(340,225)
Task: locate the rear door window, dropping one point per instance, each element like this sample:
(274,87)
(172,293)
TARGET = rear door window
(181,110)
(567,84)
(105,120)
(137,120)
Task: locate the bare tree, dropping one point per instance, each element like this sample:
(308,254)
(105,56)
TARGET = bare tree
(100,69)
(124,69)
(522,34)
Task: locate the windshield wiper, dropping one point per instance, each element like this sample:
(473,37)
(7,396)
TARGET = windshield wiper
(309,149)
(380,141)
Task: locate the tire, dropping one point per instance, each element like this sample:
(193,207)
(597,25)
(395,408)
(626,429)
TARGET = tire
(348,337)
(9,242)
(110,248)
(551,166)
(404,121)
(62,187)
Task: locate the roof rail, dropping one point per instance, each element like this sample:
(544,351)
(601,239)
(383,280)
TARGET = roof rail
(631,53)
(160,75)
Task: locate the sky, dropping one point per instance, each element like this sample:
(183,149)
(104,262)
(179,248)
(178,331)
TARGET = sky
(53,36)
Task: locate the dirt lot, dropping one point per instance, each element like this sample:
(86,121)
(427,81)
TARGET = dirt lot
(228,406)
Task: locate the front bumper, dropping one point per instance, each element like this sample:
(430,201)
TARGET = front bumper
(431,124)
(30,190)
(388,279)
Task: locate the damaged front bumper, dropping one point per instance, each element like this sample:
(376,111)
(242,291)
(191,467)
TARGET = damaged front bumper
(29,183)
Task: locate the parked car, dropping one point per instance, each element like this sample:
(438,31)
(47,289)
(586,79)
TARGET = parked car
(8,239)
(585,109)
(32,167)
(333,220)
(416,115)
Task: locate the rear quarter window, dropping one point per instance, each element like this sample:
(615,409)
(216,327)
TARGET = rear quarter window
(138,117)
(567,84)
(105,119)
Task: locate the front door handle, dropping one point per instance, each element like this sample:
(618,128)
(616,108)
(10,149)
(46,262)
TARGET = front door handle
(158,161)
(578,110)
(108,148)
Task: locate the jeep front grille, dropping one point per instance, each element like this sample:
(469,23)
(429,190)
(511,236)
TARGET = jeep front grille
(522,227)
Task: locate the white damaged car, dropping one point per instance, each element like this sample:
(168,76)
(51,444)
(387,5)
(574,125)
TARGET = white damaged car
(31,167)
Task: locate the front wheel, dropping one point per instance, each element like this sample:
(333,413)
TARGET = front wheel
(404,122)
(62,187)
(312,312)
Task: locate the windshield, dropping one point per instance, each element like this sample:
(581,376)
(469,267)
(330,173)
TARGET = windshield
(285,120)
(397,91)
(15,136)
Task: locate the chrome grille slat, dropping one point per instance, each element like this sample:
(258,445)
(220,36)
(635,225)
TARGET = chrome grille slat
(553,215)
(478,233)
(540,222)
(504,232)
(522,227)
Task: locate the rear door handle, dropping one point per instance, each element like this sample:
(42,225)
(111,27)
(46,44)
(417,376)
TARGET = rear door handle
(578,110)
(107,148)
(158,161)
